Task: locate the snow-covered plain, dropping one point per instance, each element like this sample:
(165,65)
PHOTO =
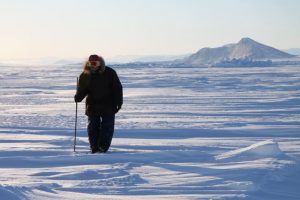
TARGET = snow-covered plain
(183,133)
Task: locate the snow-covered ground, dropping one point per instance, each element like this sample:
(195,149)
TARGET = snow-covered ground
(183,133)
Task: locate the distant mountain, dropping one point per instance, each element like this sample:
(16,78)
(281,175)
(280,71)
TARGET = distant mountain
(160,58)
(294,51)
(149,58)
(246,48)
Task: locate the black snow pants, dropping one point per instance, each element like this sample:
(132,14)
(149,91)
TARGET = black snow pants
(100,132)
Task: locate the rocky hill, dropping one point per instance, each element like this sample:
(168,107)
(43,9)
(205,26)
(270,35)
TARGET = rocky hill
(246,48)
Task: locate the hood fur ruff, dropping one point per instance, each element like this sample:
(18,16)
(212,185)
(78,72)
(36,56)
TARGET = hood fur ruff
(87,68)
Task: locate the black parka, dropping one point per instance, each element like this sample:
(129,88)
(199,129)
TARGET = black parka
(103,92)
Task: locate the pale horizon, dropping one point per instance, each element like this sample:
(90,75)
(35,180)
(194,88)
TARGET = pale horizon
(67,29)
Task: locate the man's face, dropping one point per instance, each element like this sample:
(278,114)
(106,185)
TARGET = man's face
(94,65)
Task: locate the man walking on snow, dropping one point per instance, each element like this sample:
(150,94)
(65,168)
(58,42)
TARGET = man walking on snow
(104,98)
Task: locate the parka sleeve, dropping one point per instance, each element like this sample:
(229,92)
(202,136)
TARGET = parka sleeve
(82,88)
(117,89)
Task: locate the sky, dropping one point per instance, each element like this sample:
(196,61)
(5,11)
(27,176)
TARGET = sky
(112,28)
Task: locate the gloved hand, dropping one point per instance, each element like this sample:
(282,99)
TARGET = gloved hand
(117,108)
(76,99)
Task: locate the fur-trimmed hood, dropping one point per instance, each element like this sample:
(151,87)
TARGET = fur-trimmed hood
(87,66)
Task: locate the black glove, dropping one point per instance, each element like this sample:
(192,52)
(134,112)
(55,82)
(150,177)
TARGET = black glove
(117,108)
(76,99)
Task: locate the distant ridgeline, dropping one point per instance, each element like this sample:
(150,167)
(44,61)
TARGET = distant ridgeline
(245,53)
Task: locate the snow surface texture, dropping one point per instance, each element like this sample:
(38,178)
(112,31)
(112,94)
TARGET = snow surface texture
(183,133)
